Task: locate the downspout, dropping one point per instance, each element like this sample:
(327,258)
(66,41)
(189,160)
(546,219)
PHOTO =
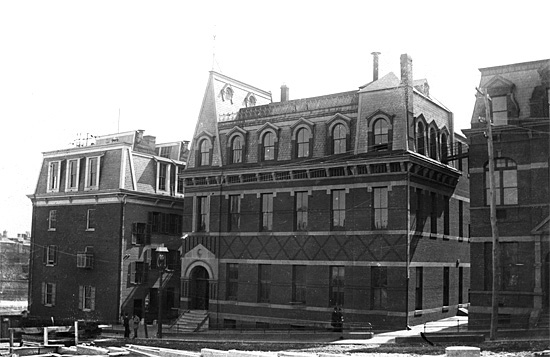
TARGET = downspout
(122,245)
(31,253)
(408,255)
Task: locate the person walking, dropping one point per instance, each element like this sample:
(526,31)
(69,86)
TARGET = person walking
(135,325)
(126,323)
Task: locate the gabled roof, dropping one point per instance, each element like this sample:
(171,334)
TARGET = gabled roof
(390,80)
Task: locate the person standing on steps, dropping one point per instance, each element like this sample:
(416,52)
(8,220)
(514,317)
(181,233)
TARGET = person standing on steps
(135,325)
(126,323)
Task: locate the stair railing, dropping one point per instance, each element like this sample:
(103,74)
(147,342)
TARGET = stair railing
(199,326)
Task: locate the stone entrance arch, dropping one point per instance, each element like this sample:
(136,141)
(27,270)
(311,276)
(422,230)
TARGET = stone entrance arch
(199,278)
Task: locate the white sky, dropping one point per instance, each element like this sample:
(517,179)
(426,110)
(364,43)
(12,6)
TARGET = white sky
(68,67)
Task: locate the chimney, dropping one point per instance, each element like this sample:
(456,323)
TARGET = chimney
(406,70)
(284,93)
(375,66)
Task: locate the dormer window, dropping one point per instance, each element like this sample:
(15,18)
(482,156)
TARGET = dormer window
(236,150)
(92,173)
(73,170)
(227,94)
(500,110)
(302,142)
(268,142)
(54,172)
(250,100)
(420,138)
(381,137)
(205,148)
(339,134)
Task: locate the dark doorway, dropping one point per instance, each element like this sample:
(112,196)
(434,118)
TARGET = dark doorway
(138,307)
(199,289)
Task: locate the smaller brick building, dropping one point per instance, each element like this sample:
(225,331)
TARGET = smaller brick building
(99,213)
(519,109)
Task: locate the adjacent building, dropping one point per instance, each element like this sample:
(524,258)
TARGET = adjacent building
(100,210)
(14,270)
(357,200)
(520,132)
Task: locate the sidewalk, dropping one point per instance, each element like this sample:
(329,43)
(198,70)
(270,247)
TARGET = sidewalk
(451,324)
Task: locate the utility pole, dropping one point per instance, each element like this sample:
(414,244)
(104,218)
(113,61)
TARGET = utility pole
(493,215)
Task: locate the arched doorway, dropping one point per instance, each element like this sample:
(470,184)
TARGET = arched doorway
(199,292)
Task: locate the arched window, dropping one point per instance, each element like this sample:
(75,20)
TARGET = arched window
(204,152)
(236,150)
(251,101)
(380,130)
(302,143)
(229,94)
(339,139)
(433,144)
(420,139)
(268,143)
(444,148)
(506,182)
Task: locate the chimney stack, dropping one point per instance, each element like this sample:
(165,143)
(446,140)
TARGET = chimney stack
(406,70)
(284,93)
(375,66)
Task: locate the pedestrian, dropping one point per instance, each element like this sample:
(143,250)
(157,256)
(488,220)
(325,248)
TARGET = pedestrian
(126,323)
(334,318)
(340,320)
(135,325)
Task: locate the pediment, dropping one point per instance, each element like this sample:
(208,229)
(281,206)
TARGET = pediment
(302,121)
(338,117)
(378,113)
(235,130)
(205,133)
(199,252)
(499,85)
(266,126)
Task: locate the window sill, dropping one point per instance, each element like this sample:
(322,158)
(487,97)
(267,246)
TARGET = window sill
(91,188)
(90,229)
(418,313)
(51,229)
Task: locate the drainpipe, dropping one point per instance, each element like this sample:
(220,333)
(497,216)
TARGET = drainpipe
(122,246)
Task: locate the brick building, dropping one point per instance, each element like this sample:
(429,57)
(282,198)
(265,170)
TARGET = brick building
(519,108)
(353,199)
(99,213)
(14,268)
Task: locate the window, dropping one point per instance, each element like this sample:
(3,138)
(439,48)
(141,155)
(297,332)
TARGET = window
(339,134)
(418,288)
(92,173)
(460,219)
(50,255)
(302,143)
(267,212)
(419,210)
(264,282)
(446,218)
(204,152)
(381,137)
(227,94)
(163,176)
(379,286)
(299,284)
(420,139)
(73,169)
(446,286)
(433,213)
(302,199)
(433,144)
(202,213)
(166,151)
(500,110)
(136,273)
(85,259)
(141,233)
(444,148)
(250,100)
(236,150)
(164,223)
(336,288)
(48,294)
(380,206)
(86,297)
(234,212)
(180,180)
(232,281)
(268,144)
(338,209)
(54,171)
(90,220)
(506,183)
(52,220)
(509,265)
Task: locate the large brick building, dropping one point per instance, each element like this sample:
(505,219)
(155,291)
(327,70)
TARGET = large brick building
(353,199)
(519,108)
(99,213)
